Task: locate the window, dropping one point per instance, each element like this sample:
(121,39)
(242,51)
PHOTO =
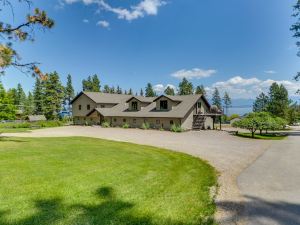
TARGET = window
(157,121)
(115,119)
(164,105)
(79,107)
(102,106)
(199,105)
(134,105)
(88,107)
(134,120)
(124,120)
(171,122)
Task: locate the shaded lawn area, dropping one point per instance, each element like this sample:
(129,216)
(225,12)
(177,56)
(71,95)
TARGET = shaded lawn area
(83,181)
(270,136)
(15,130)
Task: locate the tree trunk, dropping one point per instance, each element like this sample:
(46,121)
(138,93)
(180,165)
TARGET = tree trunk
(260,132)
(253,134)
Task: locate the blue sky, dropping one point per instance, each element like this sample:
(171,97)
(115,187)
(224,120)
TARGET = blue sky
(238,46)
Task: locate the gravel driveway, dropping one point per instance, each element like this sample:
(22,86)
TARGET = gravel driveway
(228,154)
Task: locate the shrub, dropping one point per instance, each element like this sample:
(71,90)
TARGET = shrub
(176,128)
(105,124)
(125,125)
(145,126)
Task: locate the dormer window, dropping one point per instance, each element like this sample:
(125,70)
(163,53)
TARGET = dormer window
(163,105)
(134,105)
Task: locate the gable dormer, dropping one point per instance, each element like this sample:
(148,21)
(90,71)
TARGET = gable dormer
(166,103)
(137,103)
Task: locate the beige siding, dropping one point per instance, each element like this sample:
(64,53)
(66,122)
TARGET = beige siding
(105,105)
(204,108)
(187,121)
(83,100)
(155,123)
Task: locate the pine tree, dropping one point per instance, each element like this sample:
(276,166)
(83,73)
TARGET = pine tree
(227,101)
(21,96)
(12,93)
(106,89)
(169,91)
(54,95)
(87,84)
(112,90)
(185,87)
(38,96)
(216,99)
(29,105)
(261,103)
(149,92)
(141,92)
(200,90)
(130,92)
(96,84)
(278,100)
(69,91)
(119,90)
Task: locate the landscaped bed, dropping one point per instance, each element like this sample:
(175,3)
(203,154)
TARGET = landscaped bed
(270,136)
(84,181)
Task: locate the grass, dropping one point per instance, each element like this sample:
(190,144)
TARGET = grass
(14,130)
(85,181)
(13,127)
(270,136)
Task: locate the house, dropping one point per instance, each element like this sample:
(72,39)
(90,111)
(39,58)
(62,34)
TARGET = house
(36,118)
(189,111)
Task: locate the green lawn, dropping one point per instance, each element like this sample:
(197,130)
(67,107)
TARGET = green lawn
(270,136)
(85,181)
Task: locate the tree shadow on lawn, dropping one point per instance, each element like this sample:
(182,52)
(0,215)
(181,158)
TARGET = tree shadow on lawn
(258,210)
(111,211)
(9,139)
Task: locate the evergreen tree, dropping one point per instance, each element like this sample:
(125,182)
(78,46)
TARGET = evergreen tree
(227,101)
(216,99)
(185,87)
(87,85)
(38,96)
(125,92)
(112,90)
(54,95)
(29,105)
(12,93)
(69,91)
(96,84)
(7,108)
(149,92)
(278,100)
(21,96)
(119,90)
(200,90)
(130,92)
(261,103)
(141,92)
(106,89)
(169,91)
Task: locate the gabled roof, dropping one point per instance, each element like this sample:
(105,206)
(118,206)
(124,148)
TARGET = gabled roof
(142,99)
(179,111)
(105,98)
(171,97)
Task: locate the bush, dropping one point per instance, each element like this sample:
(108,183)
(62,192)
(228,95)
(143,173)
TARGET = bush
(145,126)
(105,124)
(125,125)
(176,128)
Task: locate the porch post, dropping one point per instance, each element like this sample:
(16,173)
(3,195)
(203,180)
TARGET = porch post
(213,122)
(220,122)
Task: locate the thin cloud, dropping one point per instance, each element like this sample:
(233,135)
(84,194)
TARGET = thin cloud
(160,88)
(142,9)
(270,71)
(103,23)
(85,21)
(249,88)
(193,73)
